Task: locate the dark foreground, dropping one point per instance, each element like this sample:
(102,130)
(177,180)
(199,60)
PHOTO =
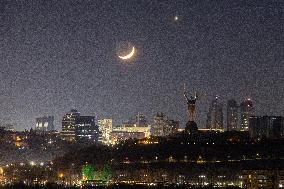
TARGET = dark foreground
(54,186)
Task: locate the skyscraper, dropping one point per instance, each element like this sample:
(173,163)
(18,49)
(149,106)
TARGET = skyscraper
(163,126)
(139,119)
(157,129)
(266,126)
(215,115)
(105,127)
(44,124)
(173,125)
(69,124)
(246,110)
(86,128)
(232,115)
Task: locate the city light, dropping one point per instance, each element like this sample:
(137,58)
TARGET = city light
(141,94)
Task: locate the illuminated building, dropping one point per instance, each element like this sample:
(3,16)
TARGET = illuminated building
(215,115)
(246,109)
(19,139)
(159,125)
(232,115)
(86,128)
(266,127)
(44,124)
(211,130)
(8,127)
(68,125)
(76,127)
(263,178)
(133,128)
(163,126)
(2,176)
(173,125)
(105,127)
(117,136)
(127,131)
(136,127)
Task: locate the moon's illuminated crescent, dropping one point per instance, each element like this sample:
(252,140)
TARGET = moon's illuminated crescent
(129,55)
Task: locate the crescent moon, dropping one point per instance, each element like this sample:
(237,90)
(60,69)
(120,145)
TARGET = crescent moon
(129,55)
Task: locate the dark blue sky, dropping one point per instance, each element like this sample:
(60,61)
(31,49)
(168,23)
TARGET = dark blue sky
(56,55)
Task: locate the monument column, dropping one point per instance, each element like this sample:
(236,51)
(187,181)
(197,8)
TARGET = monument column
(191,127)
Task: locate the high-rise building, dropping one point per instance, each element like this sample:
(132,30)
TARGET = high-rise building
(105,127)
(139,119)
(173,125)
(264,177)
(266,127)
(163,126)
(86,128)
(8,127)
(159,126)
(44,124)
(246,110)
(69,124)
(232,115)
(215,116)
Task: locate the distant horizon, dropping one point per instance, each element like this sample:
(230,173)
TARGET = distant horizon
(150,119)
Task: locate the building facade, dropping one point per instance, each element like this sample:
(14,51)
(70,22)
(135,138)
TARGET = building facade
(139,119)
(173,125)
(263,178)
(266,127)
(163,126)
(135,128)
(86,128)
(129,131)
(232,115)
(105,128)
(215,116)
(44,124)
(246,111)
(69,124)
(117,136)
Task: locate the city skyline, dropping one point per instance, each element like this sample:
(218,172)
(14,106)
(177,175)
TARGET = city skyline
(149,118)
(141,94)
(46,122)
(56,56)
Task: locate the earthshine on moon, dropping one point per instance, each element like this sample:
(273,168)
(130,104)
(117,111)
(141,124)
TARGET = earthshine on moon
(128,55)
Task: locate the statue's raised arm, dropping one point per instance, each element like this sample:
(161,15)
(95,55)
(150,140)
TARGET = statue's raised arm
(186,97)
(184,94)
(196,96)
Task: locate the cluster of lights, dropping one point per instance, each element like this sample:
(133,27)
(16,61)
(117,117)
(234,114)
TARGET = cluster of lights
(147,141)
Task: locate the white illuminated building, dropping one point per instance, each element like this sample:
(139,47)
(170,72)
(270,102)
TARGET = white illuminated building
(134,128)
(129,131)
(44,124)
(105,127)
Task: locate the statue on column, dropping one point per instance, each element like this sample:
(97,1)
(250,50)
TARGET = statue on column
(190,105)
(191,127)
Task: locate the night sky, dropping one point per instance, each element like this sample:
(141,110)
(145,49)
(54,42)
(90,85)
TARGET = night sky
(58,55)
